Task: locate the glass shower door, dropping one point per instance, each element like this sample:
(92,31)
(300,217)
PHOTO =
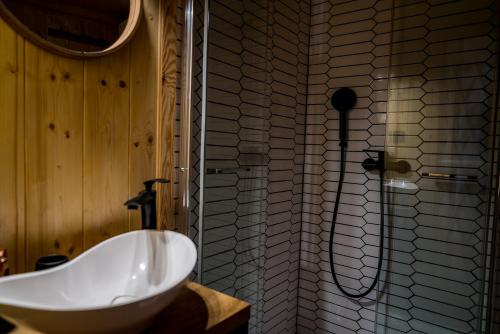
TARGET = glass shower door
(439,121)
(236,150)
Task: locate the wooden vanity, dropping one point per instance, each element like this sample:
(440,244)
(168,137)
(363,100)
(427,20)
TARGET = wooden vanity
(196,310)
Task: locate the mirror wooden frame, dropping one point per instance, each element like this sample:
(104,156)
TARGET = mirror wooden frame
(132,25)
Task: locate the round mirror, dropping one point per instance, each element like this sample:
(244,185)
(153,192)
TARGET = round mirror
(81,28)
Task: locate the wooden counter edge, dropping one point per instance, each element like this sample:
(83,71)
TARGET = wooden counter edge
(196,309)
(199,309)
(236,312)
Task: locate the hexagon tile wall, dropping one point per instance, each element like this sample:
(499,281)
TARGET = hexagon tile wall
(256,104)
(425,73)
(441,89)
(349,47)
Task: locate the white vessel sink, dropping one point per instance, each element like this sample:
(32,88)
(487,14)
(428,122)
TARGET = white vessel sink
(117,286)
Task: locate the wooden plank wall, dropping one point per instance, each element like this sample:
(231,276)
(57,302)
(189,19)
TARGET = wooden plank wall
(78,138)
(167,121)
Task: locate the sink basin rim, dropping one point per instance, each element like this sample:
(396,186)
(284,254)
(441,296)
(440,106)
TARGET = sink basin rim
(181,279)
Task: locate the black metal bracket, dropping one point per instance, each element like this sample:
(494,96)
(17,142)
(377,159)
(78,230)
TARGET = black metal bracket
(370,163)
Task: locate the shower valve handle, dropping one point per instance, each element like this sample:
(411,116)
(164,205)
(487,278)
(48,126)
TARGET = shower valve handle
(371,164)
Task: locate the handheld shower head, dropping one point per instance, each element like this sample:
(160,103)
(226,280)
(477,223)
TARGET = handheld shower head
(343,100)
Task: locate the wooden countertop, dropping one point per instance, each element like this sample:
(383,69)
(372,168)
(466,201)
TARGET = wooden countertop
(196,309)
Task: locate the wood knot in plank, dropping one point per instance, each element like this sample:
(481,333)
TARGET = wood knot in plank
(13,69)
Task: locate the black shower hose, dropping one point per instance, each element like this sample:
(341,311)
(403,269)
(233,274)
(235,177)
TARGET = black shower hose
(334,222)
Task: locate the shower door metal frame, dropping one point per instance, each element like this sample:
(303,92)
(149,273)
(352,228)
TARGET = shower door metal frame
(185,117)
(186,120)
(201,205)
(493,209)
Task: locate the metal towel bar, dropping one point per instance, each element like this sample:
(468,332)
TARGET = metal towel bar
(449,176)
(227,170)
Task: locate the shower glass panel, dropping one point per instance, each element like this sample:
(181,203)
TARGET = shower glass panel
(255,106)
(236,149)
(439,121)
(265,170)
